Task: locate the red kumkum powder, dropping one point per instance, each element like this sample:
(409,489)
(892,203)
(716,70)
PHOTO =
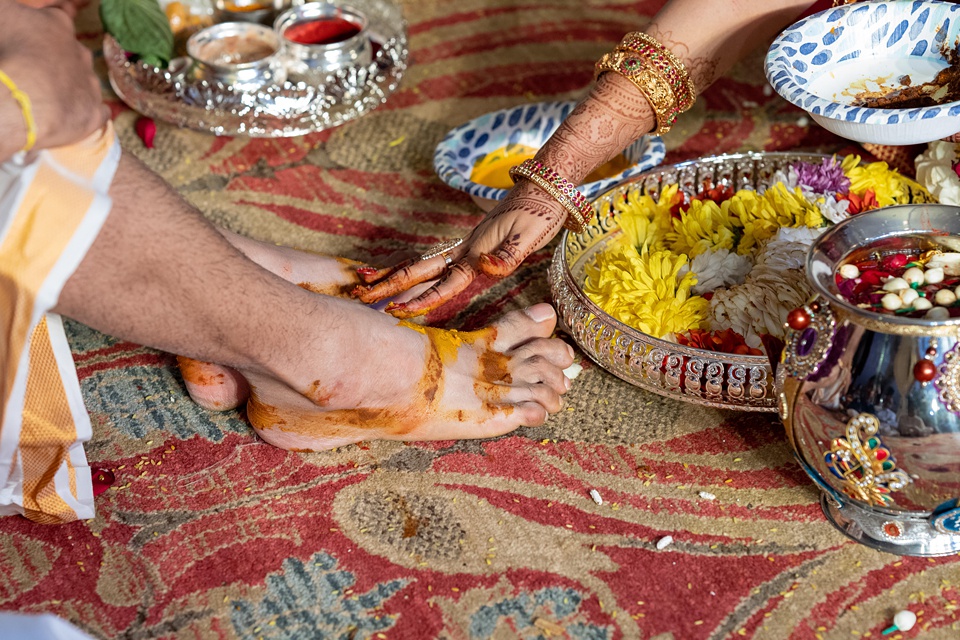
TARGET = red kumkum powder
(322,31)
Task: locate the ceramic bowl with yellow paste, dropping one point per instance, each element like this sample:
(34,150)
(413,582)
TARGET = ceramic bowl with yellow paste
(476,157)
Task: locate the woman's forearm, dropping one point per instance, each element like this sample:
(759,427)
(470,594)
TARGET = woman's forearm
(708,37)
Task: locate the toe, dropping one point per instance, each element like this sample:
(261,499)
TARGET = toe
(551,350)
(537,370)
(542,394)
(531,414)
(519,327)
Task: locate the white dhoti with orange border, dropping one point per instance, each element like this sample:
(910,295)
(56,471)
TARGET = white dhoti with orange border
(51,210)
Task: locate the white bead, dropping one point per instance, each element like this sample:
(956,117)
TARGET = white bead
(922,304)
(904,620)
(664,542)
(945,297)
(849,271)
(937,313)
(933,276)
(895,284)
(706,495)
(596,496)
(908,296)
(913,274)
(891,302)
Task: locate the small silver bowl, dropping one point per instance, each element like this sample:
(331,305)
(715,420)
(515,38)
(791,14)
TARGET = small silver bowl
(243,55)
(310,60)
(257,11)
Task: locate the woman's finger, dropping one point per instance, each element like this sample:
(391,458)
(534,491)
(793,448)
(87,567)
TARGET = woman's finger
(457,279)
(505,260)
(403,278)
(372,275)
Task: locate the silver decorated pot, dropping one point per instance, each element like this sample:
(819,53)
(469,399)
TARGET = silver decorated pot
(871,400)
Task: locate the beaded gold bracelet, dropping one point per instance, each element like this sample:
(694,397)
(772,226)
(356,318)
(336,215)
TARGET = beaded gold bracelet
(25,108)
(579,210)
(648,80)
(664,61)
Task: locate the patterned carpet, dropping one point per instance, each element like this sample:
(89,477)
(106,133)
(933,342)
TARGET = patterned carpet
(210,533)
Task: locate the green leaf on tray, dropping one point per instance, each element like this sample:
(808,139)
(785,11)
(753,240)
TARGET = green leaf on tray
(140,27)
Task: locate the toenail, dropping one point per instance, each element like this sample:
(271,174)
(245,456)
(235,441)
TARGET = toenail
(573,354)
(567,383)
(540,312)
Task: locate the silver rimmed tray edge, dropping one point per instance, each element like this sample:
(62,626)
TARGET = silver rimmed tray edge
(274,111)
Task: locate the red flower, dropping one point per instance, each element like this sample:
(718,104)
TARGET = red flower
(893,262)
(726,341)
(874,277)
(147,130)
(859,204)
(708,192)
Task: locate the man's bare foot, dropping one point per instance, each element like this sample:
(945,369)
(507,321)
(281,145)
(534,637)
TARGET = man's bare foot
(218,388)
(420,383)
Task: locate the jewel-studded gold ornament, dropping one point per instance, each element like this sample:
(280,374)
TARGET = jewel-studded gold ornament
(948,382)
(866,468)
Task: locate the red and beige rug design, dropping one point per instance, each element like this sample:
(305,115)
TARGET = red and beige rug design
(210,533)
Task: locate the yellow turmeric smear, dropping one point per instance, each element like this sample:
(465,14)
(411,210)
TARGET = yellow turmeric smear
(447,342)
(492,170)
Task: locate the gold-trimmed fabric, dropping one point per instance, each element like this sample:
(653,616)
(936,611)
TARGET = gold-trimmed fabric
(648,80)
(51,210)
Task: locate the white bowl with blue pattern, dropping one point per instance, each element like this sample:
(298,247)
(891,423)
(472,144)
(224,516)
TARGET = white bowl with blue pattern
(530,125)
(822,61)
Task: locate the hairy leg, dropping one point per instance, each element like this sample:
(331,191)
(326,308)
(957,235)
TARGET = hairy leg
(160,275)
(219,388)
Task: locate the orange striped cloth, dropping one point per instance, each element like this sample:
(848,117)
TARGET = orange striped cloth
(51,210)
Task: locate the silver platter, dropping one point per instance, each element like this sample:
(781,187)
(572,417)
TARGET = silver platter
(275,111)
(721,380)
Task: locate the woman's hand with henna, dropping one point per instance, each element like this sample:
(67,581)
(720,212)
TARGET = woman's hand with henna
(519,225)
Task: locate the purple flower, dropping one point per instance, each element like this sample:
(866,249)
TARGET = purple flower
(824,178)
(846,288)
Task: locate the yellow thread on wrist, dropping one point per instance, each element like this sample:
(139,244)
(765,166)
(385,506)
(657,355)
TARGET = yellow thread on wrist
(25,108)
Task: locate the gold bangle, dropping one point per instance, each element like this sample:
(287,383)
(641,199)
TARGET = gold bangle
(561,189)
(651,84)
(668,64)
(24,101)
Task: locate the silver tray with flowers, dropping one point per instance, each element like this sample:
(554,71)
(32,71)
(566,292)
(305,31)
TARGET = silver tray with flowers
(683,279)
(242,78)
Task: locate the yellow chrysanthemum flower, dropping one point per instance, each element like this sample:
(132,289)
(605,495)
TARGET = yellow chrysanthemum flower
(642,232)
(645,291)
(703,227)
(645,221)
(762,215)
(887,185)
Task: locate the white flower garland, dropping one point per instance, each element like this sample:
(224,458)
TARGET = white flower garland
(936,172)
(773,286)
